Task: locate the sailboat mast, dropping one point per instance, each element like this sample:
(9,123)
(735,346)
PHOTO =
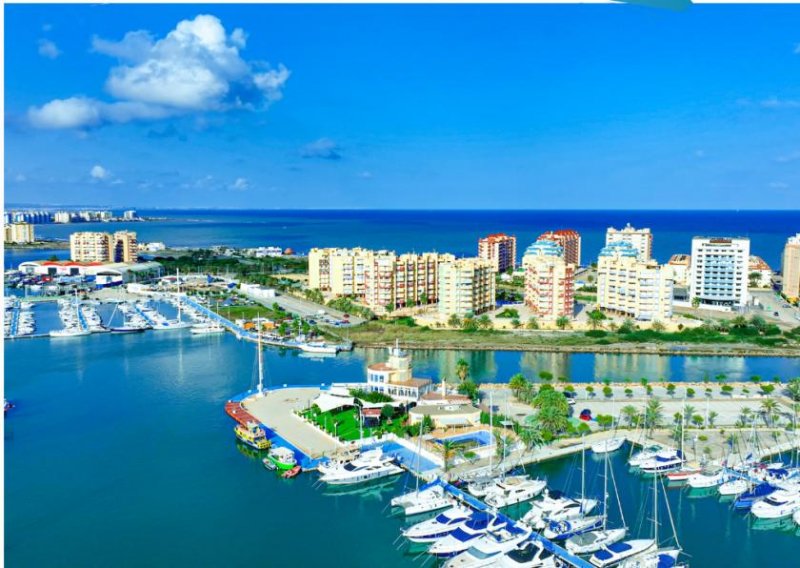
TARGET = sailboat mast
(605,491)
(260,362)
(583,470)
(655,508)
(491,428)
(178,282)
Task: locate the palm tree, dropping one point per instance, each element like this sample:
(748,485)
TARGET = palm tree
(595,318)
(712,417)
(688,411)
(793,389)
(653,414)
(448,450)
(562,322)
(630,413)
(502,444)
(769,408)
(517,384)
(532,436)
(552,419)
(462,369)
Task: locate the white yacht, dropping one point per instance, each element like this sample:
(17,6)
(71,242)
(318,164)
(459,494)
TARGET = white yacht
(592,541)
(367,467)
(319,347)
(441,525)
(780,504)
(607,446)
(69,332)
(662,462)
(562,530)
(207,329)
(644,455)
(613,554)
(733,487)
(530,554)
(467,534)
(480,485)
(424,500)
(488,549)
(565,509)
(513,490)
(658,558)
(704,480)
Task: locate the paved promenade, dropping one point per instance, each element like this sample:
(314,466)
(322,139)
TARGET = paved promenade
(275,411)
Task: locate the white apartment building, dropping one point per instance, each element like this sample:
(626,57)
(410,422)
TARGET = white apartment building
(18,233)
(549,281)
(640,239)
(631,287)
(719,273)
(790,268)
(466,287)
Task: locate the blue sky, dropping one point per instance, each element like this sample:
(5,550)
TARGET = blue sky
(530,107)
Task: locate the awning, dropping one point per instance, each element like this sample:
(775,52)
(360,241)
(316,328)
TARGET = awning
(328,402)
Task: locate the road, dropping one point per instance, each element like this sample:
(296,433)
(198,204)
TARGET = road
(304,308)
(772,303)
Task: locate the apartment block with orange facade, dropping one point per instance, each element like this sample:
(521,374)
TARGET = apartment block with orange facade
(499,249)
(790,268)
(87,246)
(466,287)
(567,239)
(549,280)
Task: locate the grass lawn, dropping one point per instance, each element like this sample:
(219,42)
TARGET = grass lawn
(348,424)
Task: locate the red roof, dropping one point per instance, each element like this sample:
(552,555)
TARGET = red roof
(70,263)
(371,412)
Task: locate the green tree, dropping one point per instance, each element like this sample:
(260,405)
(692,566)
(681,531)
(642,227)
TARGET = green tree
(517,384)
(671,389)
(448,451)
(657,326)
(469,388)
(484,322)
(695,302)
(604,421)
(562,322)
(462,369)
(387,411)
(427,424)
(653,414)
(531,435)
(533,323)
(697,420)
(596,318)
(608,391)
(688,411)
(793,389)
(503,444)
(712,418)
(546,376)
(454,321)
(769,408)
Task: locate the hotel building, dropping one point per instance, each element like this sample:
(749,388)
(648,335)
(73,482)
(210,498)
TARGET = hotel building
(500,249)
(719,276)
(569,240)
(18,233)
(757,265)
(466,287)
(680,264)
(88,246)
(640,239)
(790,268)
(632,287)
(549,280)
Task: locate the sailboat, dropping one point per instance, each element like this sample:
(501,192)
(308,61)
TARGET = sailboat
(177,323)
(593,541)
(252,433)
(685,471)
(430,497)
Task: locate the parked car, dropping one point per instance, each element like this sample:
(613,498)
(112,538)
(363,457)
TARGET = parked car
(586,415)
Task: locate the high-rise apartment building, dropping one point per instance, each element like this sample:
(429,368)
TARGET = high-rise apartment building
(500,249)
(790,268)
(549,280)
(87,246)
(632,287)
(719,276)
(640,239)
(18,233)
(569,240)
(466,286)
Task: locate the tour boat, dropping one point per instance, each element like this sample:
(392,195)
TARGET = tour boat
(607,446)
(466,535)
(613,554)
(424,500)
(282,458)
(562,530)
(733,487)
(749,498)
(290,473)
(780,504)
(367,467)
(489,548)
(531,554)
(592,541)
(441,525)
(253,435)
(644,455)
(514,490)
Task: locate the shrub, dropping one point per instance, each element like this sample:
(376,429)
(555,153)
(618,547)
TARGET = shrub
(596,333)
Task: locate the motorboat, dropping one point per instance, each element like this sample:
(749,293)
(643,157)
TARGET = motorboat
(562,530)
(514,490)
(607,446)
(683,473)
(571,509)
(438,527)
(282,458)
(530,554)
(782,503)
(69,332)
(488,548)
(367,467)
(663,462)
(617,552)
(733,487)
(253,435)
(644,455)
(319,347)
(703,480)
(128,329)
(428,498)
(480,485)
(466,535)
(592,541)
(749,498)
(207,329)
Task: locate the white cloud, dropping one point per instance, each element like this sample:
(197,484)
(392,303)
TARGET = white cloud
(699,153)
(48,49)
(195,68)
(324,148)
(241,184)
(99,172)
(47,27)
(365,175)
(775,102)
(19,178)
(790,157)
(779,185)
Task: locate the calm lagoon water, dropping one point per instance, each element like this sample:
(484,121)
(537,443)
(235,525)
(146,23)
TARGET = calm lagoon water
(119,453)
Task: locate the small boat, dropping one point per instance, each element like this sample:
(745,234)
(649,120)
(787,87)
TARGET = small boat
(253,435)
(562,530)
(658,558)
(683,474)
(780,504)
(428,498)
(7,405)
(490,547)
(513,490)
(607,446)
(441,525)
(531,554)
(69,332)
(592,541)
(290,473)
(282,458)
(467,534)
(703,480)
(644,455)
(555,507)
(207,329)
(663,462)
(733,487)
(749,498)
(127,329)
(613,554)
(319,347)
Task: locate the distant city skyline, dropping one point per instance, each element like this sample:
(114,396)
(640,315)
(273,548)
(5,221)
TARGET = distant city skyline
(402,107)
